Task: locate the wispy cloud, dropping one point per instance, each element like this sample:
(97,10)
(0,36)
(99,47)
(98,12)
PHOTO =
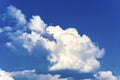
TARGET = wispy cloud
(5,29)
(17,14)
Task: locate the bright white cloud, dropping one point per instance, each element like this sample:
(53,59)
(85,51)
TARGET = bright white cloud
(37,25)
(68,49)
(5,75)
(105,75)
(17,14)
(73,51)
(29,40)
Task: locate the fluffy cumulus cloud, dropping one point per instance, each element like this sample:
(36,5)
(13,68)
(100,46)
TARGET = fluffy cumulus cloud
(5,75)
(37,25)
(73,51)
(28,75)
(105,75)
(67,48)
(16,14)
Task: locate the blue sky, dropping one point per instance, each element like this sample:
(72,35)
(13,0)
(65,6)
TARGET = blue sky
(34,35)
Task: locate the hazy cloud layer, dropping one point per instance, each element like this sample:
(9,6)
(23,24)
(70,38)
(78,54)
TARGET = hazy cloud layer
(73,51)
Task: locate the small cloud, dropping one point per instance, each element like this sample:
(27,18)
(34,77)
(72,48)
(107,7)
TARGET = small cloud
(9,44)
(37,25)
(17,14)
(105,75)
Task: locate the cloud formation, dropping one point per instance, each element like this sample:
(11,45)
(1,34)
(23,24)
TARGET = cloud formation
(67,48)
(28,75)
(16,14)
(5,75)
(37,25)
(73,51)
(31,75)
(105,75)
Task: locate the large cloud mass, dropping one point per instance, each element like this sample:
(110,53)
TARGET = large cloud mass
(73,51)
(67,48)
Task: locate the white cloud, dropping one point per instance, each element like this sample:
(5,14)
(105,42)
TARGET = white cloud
(5,75)
(105,75)
(37,25)
(28,75)
(73,51)
(17,14)
(29,40)
(68,49)
(9,44)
